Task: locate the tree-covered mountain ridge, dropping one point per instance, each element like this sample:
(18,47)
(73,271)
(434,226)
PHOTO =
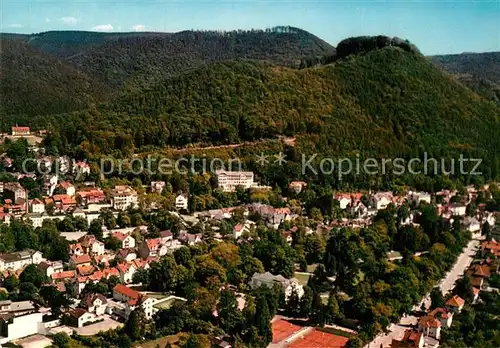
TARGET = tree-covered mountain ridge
(478,71)
(106,65)
(386,101)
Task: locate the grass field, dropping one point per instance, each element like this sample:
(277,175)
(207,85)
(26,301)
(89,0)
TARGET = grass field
(162,342)
(302,278)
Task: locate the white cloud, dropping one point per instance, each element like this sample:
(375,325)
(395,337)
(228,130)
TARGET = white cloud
(69,20)
(103,27)
(47,20)
(15,26)
(139,27)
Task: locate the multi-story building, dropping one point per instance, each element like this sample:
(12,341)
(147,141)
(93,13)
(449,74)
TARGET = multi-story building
(268,279)
(13,191)
(126,240)
(91,195)
(123,197)
(181,202)
(20,131)
(131,299)
(37,206)
(19,260)
(229,180)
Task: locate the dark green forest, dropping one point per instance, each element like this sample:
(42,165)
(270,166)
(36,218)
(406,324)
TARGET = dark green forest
(121,94)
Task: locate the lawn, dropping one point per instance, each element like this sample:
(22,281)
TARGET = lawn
(162,342)
(302,278)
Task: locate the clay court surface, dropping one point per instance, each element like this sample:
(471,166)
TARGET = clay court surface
(283,329)
(319,339)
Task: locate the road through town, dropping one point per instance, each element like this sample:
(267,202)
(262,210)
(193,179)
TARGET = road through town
(446,285)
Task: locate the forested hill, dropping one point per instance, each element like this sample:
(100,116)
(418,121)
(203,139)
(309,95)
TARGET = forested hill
(137,59)
(384,102)
(35,83)
(478,71)
(142,58)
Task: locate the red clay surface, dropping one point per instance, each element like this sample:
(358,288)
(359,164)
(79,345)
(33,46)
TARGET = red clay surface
(283,329)
(319,339)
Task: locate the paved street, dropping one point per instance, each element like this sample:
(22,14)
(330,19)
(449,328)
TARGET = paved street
(446,285)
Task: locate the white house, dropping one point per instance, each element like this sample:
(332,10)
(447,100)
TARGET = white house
(181,202)
(455,304)
(458,209)
(268,279)
(229,180)
(35,218)
(471,224)
(297,186)
(126,272)
(18,260)
(126,240)
(15,327)
(79,317)
(94,303)
(430,326)
(81,168)
(418,197)
(344,200)
(37,206)
(68,188)
(50,184)
(132,298)
(124,197)
(381,200)
(239,229)
(51,267)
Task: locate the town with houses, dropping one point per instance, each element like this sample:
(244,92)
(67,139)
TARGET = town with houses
(90,259)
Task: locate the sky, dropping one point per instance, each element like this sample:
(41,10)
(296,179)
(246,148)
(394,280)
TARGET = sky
(435,26)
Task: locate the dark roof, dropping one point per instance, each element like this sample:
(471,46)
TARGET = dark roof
(77,312)
(88,300)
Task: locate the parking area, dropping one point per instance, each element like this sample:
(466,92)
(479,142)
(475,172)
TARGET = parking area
(93,329)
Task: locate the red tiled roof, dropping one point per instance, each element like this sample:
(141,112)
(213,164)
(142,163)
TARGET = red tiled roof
(123,267)
(165,234)
(138,263)
(85,270)
(80,259)
(455,301)
(63,275)
(429,321)
(154,243)
(120,236)
(108,272)
(126,291)
(65,184)
(96,276)
(20,129)
(319,339)
(482,271)
(36,201)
